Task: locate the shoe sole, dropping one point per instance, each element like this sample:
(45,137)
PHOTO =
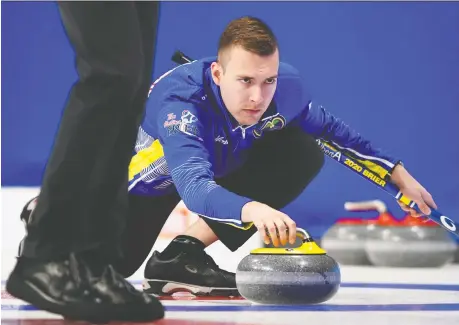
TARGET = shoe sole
(167,288)
(26,291)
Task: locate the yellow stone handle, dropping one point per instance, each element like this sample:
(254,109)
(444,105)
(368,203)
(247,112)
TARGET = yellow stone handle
(308,247)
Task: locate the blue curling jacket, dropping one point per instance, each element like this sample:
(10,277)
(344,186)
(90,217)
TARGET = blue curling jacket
(188,137)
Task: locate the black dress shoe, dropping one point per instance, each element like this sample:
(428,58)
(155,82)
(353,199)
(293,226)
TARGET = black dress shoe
(76,290)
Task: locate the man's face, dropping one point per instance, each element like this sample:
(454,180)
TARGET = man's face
(247,82)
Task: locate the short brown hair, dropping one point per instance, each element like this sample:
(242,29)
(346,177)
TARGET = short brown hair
(251,33)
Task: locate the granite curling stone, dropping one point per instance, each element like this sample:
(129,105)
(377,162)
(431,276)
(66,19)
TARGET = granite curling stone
(345,241)
(289,276)
(456,256)
(410,243)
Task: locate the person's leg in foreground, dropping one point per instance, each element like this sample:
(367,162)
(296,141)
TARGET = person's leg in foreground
(72,238)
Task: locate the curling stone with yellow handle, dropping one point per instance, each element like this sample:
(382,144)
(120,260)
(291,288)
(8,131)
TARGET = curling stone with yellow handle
(289,276)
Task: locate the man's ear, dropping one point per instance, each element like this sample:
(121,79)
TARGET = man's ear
(217,71)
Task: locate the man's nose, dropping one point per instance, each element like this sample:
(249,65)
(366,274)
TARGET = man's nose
(256,96)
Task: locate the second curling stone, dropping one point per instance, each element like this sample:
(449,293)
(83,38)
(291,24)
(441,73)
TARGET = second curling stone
(289,276)
(410,243)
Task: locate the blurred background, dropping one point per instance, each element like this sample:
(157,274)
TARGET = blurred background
(389,69)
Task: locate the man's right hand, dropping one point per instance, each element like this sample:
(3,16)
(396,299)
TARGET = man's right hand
(270,221)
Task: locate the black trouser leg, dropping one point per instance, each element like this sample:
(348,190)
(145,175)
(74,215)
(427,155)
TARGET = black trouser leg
(279,168)
(87,170)
(148,17)
(147,216)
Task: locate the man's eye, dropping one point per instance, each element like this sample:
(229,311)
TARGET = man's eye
(270,80)
(246,80)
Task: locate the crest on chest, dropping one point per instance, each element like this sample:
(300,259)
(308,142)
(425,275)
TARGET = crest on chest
(271,123)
